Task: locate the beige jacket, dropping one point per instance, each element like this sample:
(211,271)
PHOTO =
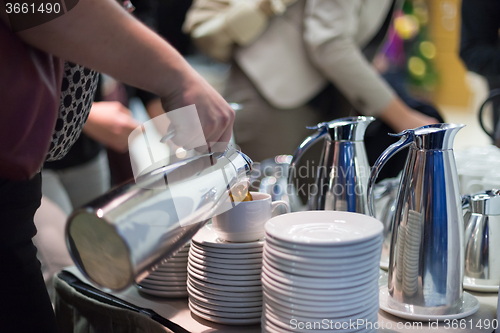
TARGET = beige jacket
(291,57)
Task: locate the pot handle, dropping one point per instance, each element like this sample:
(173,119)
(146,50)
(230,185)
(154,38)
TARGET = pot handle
(466,202)
(304,146)
(407,137)
(492,95)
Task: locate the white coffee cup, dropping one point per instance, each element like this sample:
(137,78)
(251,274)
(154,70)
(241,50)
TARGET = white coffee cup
(245,222)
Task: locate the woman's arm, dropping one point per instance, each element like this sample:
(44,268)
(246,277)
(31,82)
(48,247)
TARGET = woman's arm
(101,35)
(330,28)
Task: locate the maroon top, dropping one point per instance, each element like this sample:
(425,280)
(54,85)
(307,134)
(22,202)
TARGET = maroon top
(30,88)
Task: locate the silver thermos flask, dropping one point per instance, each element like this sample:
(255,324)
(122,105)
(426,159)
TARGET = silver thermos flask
(121,236)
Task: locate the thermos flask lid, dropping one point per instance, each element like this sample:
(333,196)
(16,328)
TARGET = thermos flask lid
(486,203)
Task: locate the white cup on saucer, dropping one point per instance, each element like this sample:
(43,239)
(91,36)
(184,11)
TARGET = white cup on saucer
(245,222)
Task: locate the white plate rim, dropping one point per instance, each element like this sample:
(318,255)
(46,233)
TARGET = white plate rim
(314,292)
(251,292)
(216,297)
(236,266)
(363,314)
(479,287)
(223,278)
(221,320)
(229,314)
(219,286)
(161,276)
(280,221)
(321,252)
(274,254)
(226,260)
(166,294)
(319,309)
(206,236)
(298,271)
(232,272)
(313,261)
(296,279)
(164,284)
(238,305)
(172,288)
(311,303)
(219,255)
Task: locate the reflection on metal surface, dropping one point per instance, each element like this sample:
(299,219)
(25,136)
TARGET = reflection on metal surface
(342,176)
(270,176)
(121,236)
(482,238)
(426,256)
(385,201)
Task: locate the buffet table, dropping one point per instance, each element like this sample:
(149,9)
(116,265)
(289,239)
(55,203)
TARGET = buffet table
(177,311)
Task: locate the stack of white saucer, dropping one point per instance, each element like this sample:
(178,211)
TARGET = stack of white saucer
(170,278)
(224,279)
(320,271)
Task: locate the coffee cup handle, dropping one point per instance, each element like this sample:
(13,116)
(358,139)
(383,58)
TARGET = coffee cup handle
(277,203)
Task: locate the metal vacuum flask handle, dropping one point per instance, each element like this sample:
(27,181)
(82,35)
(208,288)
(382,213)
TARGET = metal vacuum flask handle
(321,133)
(118,238)
(406,139)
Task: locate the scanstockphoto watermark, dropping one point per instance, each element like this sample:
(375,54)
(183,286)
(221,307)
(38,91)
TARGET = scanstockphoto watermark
(341,180)
(358,324)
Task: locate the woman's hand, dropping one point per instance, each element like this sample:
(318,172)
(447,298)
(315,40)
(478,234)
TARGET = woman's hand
(110,123)
(213,113)
(400,117)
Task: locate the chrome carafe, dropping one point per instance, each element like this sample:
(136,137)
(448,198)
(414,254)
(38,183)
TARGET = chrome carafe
(120,237)
(427,248)
(482,238)
(343,170)
(386,193)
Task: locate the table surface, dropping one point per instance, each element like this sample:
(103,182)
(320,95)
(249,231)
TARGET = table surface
(177,311)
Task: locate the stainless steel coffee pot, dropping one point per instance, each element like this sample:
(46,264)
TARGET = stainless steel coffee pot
(343,170)
(427,247)
(482,238)
(120,237)
(385,194)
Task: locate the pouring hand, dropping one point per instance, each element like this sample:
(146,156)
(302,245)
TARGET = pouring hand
(213,113)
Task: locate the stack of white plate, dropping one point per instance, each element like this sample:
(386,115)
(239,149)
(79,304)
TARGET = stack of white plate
(224,279)
(170,278)
(320,271)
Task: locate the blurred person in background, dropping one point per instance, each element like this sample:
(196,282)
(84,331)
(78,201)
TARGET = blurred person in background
(95,34)
(298,63)
(480,47)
